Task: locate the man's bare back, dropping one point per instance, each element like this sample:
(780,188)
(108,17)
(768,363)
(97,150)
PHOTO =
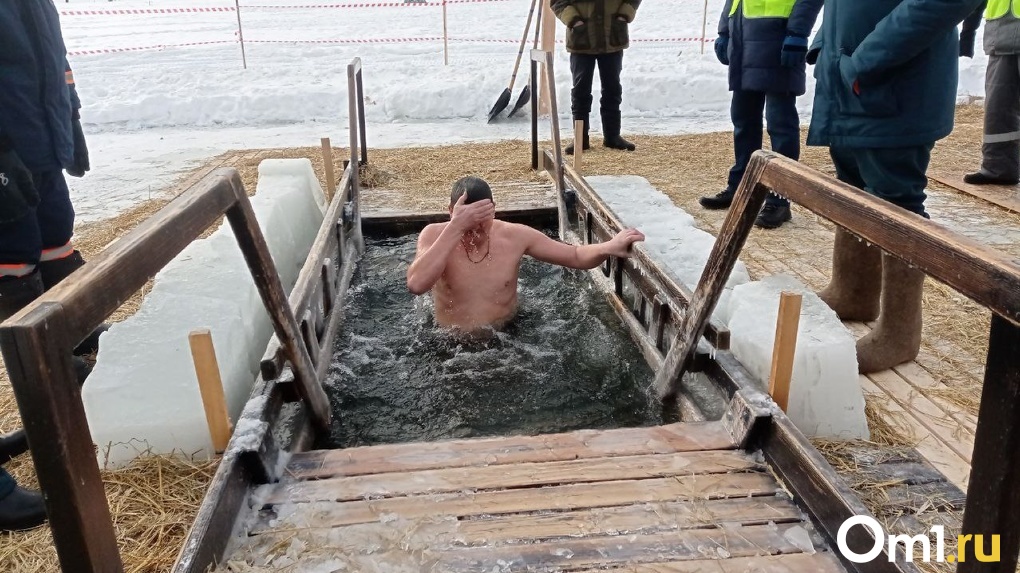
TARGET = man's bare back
(471,263)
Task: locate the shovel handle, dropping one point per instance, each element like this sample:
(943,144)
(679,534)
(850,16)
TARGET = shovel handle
(524,40)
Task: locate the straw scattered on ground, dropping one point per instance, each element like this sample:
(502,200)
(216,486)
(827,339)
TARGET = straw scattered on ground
(154,501)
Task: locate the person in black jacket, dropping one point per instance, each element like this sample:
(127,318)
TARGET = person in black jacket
(40,135)
(764,44)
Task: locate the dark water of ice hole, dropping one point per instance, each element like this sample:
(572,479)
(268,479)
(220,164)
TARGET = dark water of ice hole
(565,363)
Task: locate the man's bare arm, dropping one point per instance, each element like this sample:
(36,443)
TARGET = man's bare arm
(552,251)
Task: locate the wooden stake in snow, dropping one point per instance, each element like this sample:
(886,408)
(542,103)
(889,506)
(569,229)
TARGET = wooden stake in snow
(327,161)
(787,324)
(578,143)
(446,47)
(211,387)
(548,45)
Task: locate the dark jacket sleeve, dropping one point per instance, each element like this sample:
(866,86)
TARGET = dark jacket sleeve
(973,22)
(628,9)
(803,17)
(565,10)
(724,18)
(906,32)
(75,100)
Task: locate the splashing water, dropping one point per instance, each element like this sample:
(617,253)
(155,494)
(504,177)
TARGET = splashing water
(565,363)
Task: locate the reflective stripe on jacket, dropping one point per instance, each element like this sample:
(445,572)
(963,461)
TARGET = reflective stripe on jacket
(764,8)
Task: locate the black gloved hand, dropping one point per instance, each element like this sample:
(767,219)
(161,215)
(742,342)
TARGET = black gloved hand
(17,191)
(721,46)
(967,43)
(81,151)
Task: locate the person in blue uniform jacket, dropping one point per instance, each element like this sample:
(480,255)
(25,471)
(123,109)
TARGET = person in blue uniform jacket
(886,76)
(764,43)
(40,136)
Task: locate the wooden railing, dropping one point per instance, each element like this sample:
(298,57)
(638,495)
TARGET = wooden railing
(984,275)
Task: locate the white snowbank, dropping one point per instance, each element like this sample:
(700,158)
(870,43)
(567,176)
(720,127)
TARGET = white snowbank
(143,394)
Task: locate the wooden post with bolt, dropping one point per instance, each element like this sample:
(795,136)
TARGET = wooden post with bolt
(211,387)
(785,347)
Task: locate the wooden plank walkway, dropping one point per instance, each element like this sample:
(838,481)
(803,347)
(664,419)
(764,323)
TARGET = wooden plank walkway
(1005,196)
(674,498)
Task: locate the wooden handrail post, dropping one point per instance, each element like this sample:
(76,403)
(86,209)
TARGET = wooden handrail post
(578,143)
(993,498)
(785,348)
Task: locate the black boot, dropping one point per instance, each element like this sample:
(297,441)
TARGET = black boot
(982,178)
(721,200)
(611,131)
(22,509)
(773,216)
(585,142)
(52,273)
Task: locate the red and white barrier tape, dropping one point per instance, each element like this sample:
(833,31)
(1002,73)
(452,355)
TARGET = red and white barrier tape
(131,12)
(351,41)
(144,48)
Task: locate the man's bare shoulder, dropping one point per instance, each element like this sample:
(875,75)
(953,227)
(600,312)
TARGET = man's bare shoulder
(431,232)
(514,230)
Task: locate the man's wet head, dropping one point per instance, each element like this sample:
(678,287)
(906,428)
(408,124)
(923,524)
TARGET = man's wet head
(475,188)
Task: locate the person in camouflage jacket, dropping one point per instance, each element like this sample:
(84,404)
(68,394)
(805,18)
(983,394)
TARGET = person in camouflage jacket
(597,35)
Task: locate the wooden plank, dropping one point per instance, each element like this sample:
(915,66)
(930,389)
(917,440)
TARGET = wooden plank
(607,551)
(436,531)
(578,143)
(508,476)
(551,498)
(795,563)
(934,450)
(930,416)
(785,347)
(581,444)
(820,490)
(211,387)
(983,274)
(37,355)
(993,499)
(737,226)
(1005,196)
(628,519)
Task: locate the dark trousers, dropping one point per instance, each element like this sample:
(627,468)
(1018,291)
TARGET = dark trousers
(1001,149)
(582,69)
(780,111)
(896,175)
(47,226)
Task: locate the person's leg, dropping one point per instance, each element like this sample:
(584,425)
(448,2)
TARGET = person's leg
(610,68)
(582,72)
(1000,152)
(856,284)
(783,123)
(898,176)
(746,110)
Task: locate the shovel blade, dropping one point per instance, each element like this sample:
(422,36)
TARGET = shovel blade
(522,100)
(501,103)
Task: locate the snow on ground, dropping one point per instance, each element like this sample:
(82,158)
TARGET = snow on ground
(150,114)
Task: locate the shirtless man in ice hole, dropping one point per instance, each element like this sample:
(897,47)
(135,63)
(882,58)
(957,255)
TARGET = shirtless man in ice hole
(472,262)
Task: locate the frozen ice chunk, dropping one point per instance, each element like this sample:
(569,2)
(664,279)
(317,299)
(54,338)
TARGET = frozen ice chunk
(670,235)
(826,400)
(143,393)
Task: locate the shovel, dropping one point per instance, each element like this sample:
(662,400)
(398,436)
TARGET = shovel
(504,98)
(526,92)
